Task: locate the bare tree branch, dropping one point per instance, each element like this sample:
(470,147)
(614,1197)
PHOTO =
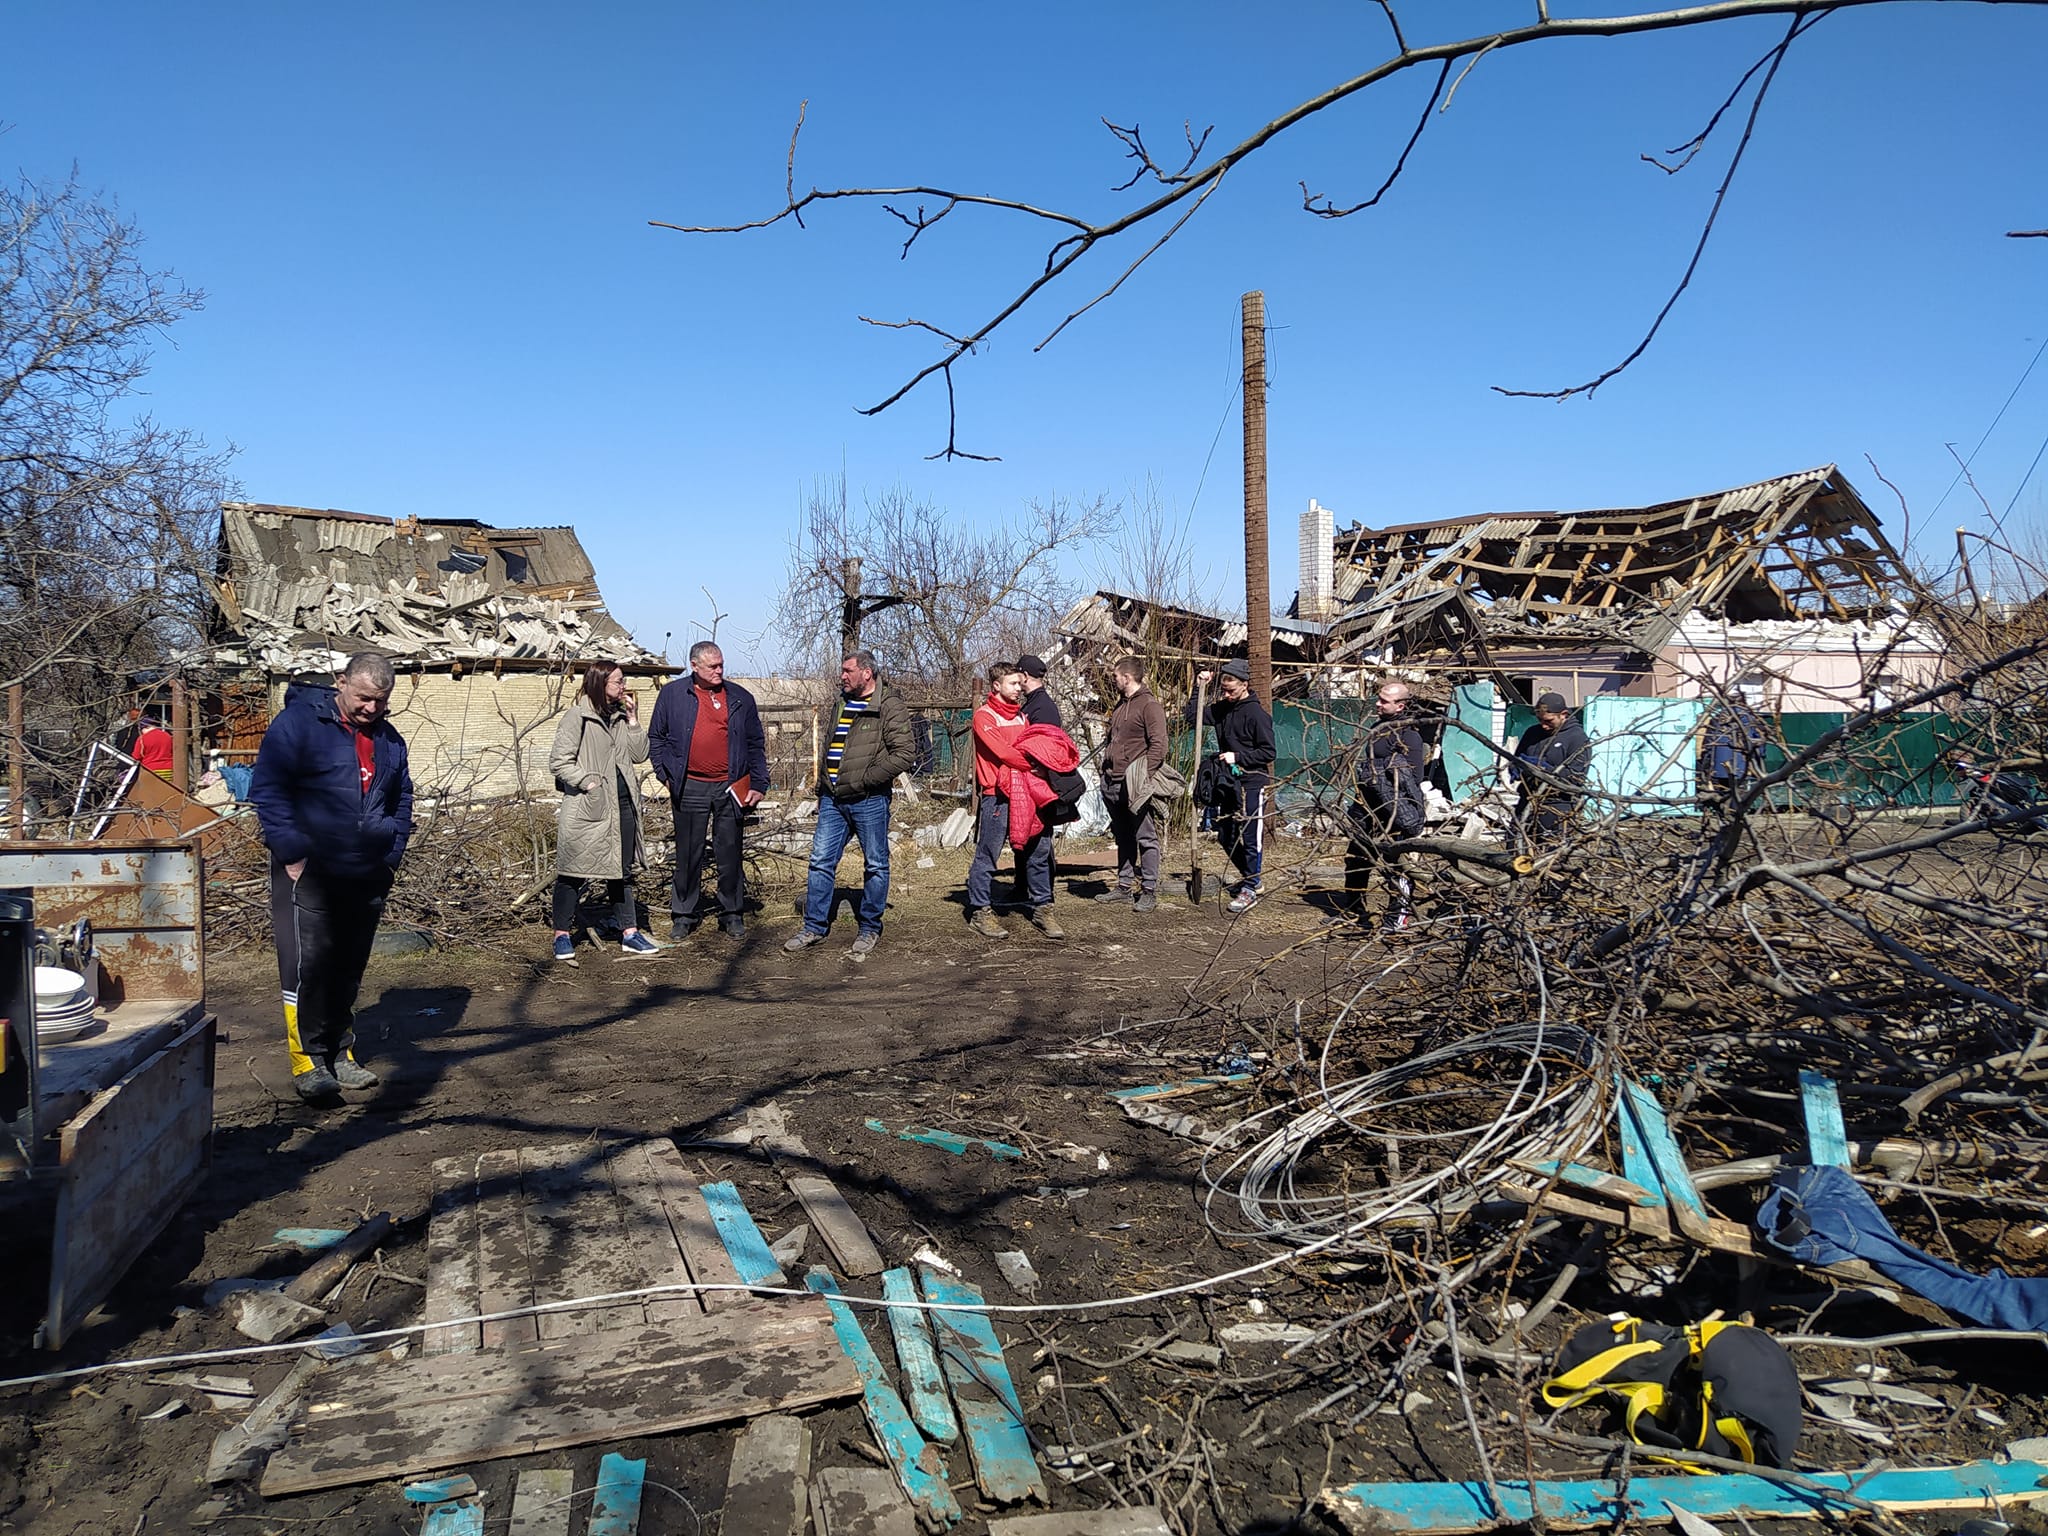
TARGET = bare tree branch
(1190,183)
(1777,57)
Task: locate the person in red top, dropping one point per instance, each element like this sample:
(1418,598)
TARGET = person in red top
(152,747)
(997,725)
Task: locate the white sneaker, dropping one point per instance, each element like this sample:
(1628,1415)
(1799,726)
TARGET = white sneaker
(1246,898)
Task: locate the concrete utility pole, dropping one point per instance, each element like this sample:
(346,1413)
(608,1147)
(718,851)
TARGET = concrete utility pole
(1258,581)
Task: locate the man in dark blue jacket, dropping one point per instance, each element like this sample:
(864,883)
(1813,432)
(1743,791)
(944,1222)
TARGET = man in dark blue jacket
(706,745)
(333,792)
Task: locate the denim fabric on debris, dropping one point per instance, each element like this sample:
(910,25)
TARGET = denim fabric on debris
(1822,1216)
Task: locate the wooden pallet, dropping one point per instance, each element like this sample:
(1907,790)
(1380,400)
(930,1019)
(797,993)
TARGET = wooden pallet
(532,1225)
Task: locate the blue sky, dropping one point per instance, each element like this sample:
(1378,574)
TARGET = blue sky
(432,288)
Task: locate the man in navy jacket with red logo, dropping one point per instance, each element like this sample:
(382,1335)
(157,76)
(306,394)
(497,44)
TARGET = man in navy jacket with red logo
(707,747)
(333,792)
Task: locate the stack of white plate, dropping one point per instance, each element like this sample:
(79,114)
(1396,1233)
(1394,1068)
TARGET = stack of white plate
(64,1007)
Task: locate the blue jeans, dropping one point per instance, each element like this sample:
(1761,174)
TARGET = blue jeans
(839,822)
(992,830)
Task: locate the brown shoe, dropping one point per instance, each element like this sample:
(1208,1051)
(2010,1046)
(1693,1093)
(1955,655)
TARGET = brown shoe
(983,922)
(1043,920)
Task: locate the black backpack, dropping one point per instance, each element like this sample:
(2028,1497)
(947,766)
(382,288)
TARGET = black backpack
(1727,1389)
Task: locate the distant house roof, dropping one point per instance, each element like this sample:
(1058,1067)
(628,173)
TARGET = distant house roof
(297,586)
(1802,546)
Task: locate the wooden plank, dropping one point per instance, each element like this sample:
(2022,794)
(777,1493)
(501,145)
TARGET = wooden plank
(1827,1142)
(452,1284)
(919,1467)
(1135,1520)
(1596,1181)
(435,1411)
(541,1502)
(742,1239)
(842,1230)
(766,1483)
(1688,1211)
(1179,1090)
(126,1164)
(1447,1509)
(504,1278)
(990,1413)
(929,1405)
(644,1215)
(696,1233)
(615,1511)
(859,1501)
(576,1240)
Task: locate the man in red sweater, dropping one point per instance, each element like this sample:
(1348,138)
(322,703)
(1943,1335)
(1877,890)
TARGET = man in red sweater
(997,725)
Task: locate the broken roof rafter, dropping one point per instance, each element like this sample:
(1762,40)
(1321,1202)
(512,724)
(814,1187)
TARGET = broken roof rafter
(1801,545)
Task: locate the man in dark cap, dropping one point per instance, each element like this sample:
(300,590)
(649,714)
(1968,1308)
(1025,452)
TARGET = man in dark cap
(1244,750)
(1550,767)
(1040,708)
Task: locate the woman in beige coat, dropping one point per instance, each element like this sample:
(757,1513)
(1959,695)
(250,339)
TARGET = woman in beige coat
(597,825)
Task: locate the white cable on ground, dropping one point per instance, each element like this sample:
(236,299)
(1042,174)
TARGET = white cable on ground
(1546,1101)
(578,1303)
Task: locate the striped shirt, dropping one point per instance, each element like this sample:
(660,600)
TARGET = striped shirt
(848,709)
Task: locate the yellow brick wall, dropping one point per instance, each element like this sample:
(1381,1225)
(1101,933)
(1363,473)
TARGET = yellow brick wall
(474,736)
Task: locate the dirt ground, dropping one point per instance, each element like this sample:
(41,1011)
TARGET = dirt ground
(1018,1040)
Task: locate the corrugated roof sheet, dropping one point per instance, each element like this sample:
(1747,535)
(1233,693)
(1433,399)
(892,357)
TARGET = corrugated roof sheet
(303,583)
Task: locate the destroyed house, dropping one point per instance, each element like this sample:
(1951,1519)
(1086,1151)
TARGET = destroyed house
(1647,600)
(485,626)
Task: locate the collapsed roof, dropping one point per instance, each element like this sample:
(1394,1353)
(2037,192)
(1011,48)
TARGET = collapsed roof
(1802,547)
(298,588)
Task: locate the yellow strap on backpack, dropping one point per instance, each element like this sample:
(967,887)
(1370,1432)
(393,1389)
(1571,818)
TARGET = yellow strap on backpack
(1589,1378)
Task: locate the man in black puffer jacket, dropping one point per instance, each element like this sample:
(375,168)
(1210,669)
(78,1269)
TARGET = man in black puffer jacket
(333,793)
(1244,749)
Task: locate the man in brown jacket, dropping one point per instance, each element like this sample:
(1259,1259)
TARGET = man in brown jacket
(867,744)
(1137,734)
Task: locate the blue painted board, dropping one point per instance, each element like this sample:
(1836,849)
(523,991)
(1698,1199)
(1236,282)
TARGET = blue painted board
(742,1239)
(616,1509)
(948,1141)
(1826,1141)
(990,1414)
(1444,1509)
(1688,1210)
(455,1519)
(309,1239)
(929,1404)
(919,1466)
(440,1490)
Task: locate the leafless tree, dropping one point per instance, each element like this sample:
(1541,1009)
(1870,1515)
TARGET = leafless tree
(948,596)
(1180,184)
(106,521)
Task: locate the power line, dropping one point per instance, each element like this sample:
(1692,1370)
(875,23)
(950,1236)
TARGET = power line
(1987,436)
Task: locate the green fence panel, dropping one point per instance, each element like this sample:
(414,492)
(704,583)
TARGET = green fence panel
(1643,747)
(1470,762)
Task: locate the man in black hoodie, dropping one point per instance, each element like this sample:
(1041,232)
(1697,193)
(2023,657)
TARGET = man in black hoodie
(1551,761)
(1244,752)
